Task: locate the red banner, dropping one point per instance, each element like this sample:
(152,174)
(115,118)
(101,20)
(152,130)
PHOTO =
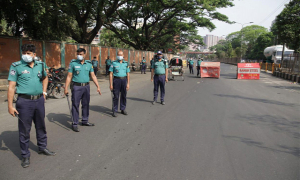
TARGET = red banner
(210,69)
(248,71)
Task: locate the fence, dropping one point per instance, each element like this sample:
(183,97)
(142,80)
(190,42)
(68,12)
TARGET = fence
(59,54)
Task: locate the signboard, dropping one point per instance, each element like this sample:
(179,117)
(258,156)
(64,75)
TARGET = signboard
(248,71)
(210,69)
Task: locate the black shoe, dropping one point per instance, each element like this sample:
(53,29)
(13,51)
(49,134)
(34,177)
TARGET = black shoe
(124,112)
(87,124)
(114,114)
(144,73)
(163,103)
(153,102)
(25,162)
(47,152)
(75,128)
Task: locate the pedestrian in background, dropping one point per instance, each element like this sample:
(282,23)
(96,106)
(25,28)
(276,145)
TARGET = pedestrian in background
(119,81)
(143,65)
(191,66)
(95,65)
(108,63)
(30,79)
(78,73)
(199,61)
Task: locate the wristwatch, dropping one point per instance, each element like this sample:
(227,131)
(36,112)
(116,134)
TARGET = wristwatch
(45,93)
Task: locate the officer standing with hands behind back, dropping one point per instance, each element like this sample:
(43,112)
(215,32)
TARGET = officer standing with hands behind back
(119,80)
(30,78)
(159,73)
(79,71)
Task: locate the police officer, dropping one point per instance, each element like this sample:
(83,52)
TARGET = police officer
(95,65)
(191,66)
(143,65)
(119,80)
(159,74)
(198,66)
(30,78)
(108,63)
(79,71)
(151,62)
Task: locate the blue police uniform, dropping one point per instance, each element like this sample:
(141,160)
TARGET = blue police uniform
(108,63)
(159,78)
(143,64)
(80,89)
(95,66)
(30,103)
(120,71)
(198,67)
(191,62)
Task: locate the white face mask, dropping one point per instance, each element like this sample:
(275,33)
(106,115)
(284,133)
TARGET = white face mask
(27,58)
(79,57)
(36,58)
(119,58)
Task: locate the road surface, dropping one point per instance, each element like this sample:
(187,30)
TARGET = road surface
(209,129)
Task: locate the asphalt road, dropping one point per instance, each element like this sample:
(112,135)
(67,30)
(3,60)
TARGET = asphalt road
(209,129)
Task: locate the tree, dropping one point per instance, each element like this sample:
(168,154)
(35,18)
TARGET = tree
(263,41)
(287,25)
(144,24)
(109,39)
(229,50)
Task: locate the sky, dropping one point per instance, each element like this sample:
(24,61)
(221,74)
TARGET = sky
(260,12)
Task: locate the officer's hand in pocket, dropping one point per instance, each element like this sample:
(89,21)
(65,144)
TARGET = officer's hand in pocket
(12,111)
(111,87)
(99,91)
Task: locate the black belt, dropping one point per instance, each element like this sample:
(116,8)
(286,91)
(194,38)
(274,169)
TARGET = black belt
(32,97)
(80,84)
(159,74)
(115,77)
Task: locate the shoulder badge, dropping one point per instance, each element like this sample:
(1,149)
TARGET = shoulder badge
(16,63)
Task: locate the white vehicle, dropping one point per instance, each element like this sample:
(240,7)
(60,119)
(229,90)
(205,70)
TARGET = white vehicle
(274,54)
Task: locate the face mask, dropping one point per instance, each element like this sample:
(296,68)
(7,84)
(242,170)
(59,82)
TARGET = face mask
(27,58)
(79,57)
(159,57)
(36,58)
(119,58)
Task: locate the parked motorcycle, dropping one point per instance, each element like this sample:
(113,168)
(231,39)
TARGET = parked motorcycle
(59,72)
(133,66)
(54,88)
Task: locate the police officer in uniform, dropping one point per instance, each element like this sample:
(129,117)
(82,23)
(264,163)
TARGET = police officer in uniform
(198,66)
(95,65)
(159,74)
(30,78)
(191,66)
(143,65)
(79,71)
(108,63)
(119,80)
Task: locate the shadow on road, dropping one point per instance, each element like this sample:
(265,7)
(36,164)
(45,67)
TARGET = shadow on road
(102,110)
(228,76)
(295,151)
(62,120)
(287,87)
(11,141)
(267,101)
(139,99)
(276,123)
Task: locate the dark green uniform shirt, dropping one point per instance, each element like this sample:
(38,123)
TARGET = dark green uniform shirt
(81,72)
(29,80)
(160,67)
(119,69)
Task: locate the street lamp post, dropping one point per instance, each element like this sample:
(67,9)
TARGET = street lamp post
(242,35)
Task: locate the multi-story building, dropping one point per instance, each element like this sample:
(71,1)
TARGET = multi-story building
(210,40)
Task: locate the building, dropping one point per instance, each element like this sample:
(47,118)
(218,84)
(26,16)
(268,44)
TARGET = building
(210,40)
